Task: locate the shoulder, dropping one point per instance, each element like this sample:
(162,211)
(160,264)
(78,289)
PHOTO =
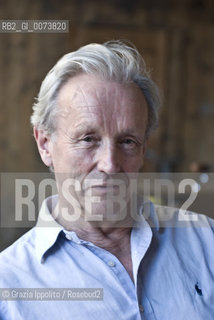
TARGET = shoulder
(17,257)
(175,217)
(21,245)
(187,232)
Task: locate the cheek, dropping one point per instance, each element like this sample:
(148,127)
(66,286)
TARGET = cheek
(78,161)
(132,164)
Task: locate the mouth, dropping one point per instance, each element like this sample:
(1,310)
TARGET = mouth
(103,186)
(113,186)
(104,189)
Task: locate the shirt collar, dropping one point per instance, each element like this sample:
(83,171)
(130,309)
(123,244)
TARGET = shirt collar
(47,229)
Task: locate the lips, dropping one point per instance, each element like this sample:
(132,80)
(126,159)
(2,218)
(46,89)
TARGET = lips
(104,184)
(104,189)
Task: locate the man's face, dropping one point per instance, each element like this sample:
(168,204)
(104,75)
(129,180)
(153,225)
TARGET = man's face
(100,133)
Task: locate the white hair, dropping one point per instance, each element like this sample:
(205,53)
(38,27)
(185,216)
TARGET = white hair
(113,61)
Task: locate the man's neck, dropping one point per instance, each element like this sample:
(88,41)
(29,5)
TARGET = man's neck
(97,232)
(111,237)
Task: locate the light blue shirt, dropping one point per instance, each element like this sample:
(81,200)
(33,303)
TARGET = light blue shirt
(173,269)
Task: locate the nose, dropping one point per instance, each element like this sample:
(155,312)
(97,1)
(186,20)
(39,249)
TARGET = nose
(108,159)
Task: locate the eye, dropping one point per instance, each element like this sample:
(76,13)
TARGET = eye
(128,143)
(89,139)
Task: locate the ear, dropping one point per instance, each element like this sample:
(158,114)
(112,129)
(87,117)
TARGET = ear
(43,143)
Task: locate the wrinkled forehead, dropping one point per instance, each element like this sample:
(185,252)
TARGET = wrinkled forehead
(87,93)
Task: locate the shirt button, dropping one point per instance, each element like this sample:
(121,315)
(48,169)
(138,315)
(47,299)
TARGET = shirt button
(68,236)
(111,263)
(141,308)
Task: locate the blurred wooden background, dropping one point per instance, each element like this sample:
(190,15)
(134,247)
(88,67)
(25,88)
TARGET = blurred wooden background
(176,39)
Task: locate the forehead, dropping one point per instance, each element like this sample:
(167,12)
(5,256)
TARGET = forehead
(85,95)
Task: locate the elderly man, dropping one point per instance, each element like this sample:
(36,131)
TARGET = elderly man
(95,111)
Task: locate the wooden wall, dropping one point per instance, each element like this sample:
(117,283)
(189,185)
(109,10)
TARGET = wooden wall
(176,39)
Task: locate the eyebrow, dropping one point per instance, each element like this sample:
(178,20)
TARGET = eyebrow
(81,129)
(89,129)
(85,127)
(132,133)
